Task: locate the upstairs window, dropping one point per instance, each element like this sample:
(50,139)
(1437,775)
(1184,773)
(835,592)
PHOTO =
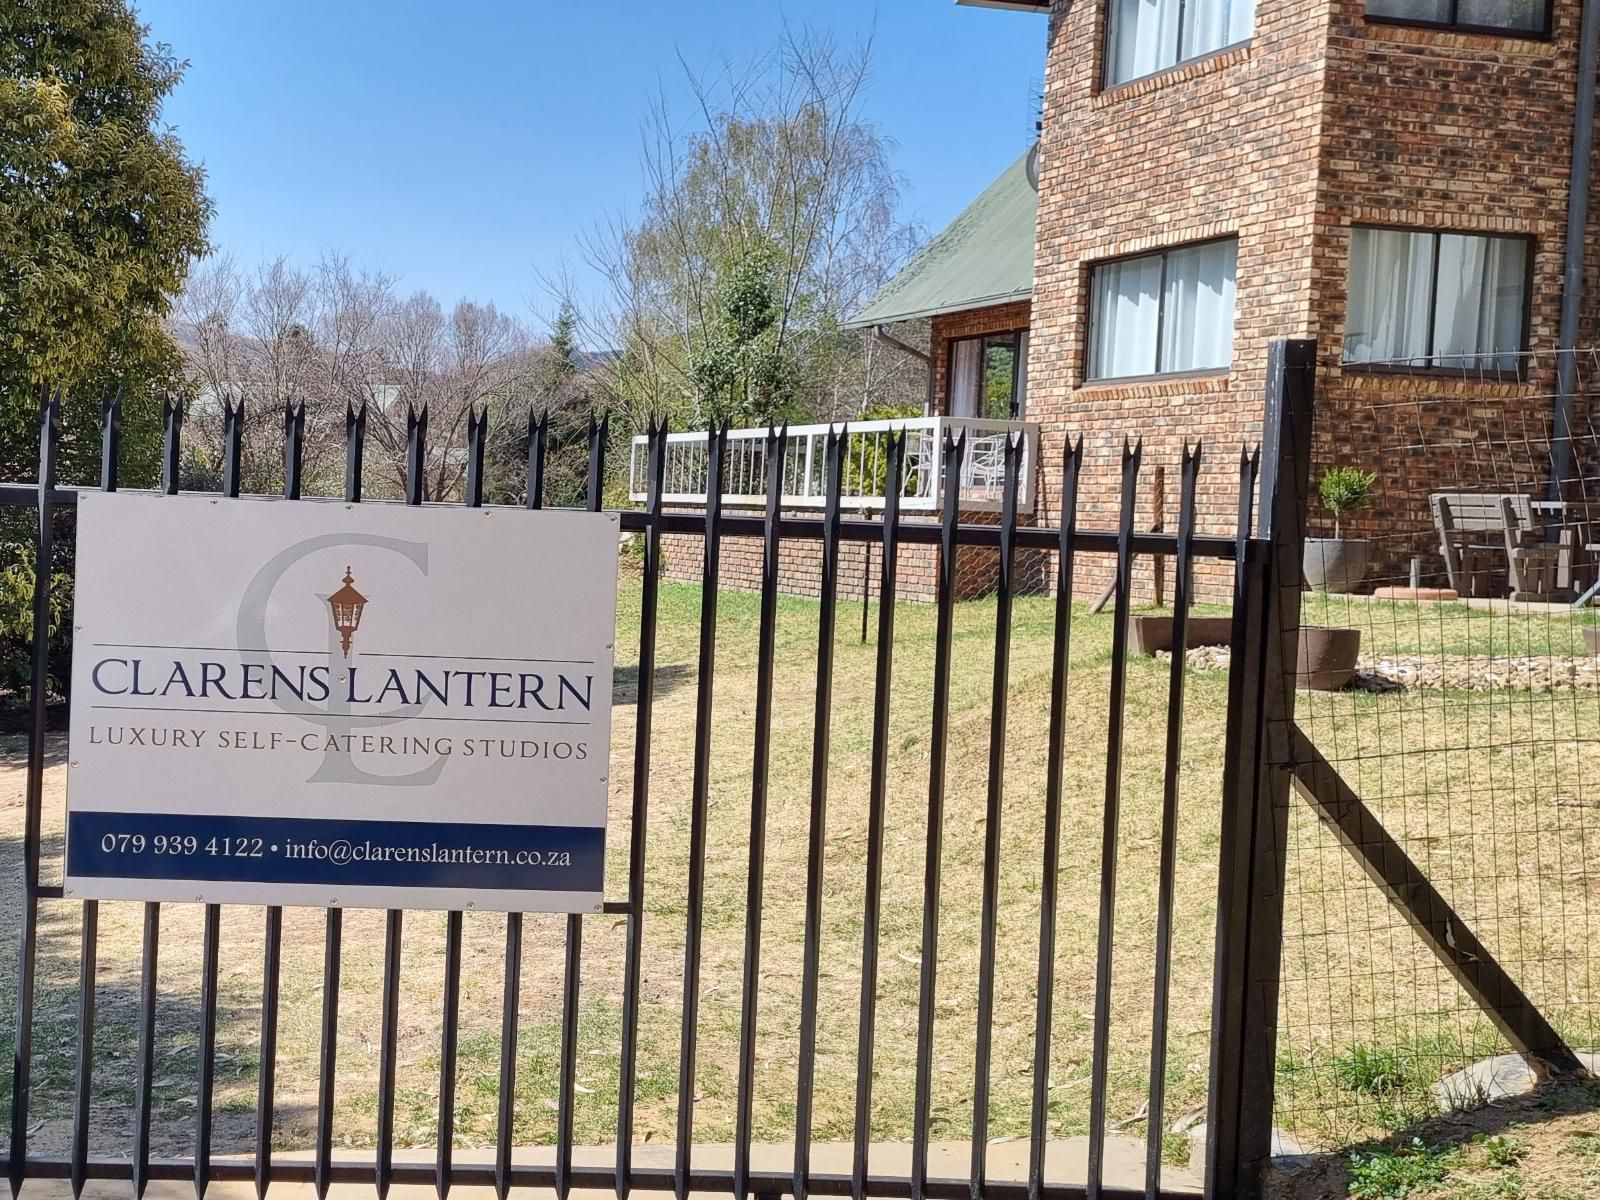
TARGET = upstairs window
(989,376)
(1163,314)
(1436,300)
(1146,36)
(1489,16)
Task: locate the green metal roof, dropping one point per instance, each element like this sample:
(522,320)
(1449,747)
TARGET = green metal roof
(984,258)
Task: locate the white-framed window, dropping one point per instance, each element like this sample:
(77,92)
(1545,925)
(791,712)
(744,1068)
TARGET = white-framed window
(1146,36)
(1164,313)
(1492,16)
(989,376)
(1424,299)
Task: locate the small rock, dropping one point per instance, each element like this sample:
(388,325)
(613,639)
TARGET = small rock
(1287,1152)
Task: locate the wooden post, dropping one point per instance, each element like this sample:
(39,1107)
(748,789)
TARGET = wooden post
(1158,504)
(1253,855)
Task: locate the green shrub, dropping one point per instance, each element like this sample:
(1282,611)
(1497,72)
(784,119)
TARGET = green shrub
(1345,490)
(17,573)
(1403,1171)
(1370,1070)
(1503,1151)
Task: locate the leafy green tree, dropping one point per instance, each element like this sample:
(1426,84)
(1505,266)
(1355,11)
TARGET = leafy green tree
(558,391)
(744,373)
(569,403)
(100,216)
(764,225)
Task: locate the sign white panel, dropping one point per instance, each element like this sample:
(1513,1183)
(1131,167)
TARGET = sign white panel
(319,703)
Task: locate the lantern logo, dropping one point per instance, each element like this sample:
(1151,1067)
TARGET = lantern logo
(345,607)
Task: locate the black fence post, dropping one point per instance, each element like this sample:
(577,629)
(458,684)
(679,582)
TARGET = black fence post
(1257,773)
(38,717)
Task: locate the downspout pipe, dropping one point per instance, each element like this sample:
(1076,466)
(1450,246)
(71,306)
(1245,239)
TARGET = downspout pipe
(1572,266)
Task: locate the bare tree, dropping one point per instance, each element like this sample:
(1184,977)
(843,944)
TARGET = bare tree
(337,339)
(248,341)
(779,169)
(476,358)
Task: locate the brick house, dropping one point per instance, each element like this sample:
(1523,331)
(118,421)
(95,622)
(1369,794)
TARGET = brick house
(1389,177)
(1394,178)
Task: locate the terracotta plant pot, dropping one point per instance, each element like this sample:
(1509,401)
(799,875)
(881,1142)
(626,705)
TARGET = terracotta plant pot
(1327,657)
(1153,633)
(1336,564)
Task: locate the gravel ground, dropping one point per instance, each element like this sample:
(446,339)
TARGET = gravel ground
(1389,673)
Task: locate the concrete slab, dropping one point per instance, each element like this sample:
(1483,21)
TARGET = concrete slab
(1496,1078)
(1066,1161)
(1417,595)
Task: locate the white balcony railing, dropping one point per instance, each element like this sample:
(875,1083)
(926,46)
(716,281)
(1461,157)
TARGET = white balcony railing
(865,465)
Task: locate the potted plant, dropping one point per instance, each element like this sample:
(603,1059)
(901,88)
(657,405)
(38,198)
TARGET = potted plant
(1338,564)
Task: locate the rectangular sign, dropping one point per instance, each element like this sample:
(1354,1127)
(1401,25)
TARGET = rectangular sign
(362,705)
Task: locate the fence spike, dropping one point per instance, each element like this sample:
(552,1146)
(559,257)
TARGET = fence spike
(355,450)
(416,448)
(111,439)
(477,427)
(171,435)
(232,445)
(1166,871)
(1060,674)
(22,1055)
(294,423)
(993,812)
(818,828)
(644,716)
(766,627)
(598,435)
(1111,824)
(877,802)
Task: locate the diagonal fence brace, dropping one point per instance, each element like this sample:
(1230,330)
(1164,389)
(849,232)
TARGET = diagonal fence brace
(1429,914)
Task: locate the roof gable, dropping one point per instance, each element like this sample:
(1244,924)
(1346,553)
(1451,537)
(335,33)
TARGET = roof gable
(984,257)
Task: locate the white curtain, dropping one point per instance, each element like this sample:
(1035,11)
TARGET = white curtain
(1437,11)
(1391,274)
(966,372)
(1144,37)
(1478,318)
(1528,15)
(1197,326)
(1127,306)
(1020,403)
(1209,25)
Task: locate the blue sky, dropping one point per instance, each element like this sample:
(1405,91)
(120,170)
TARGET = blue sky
(467,146)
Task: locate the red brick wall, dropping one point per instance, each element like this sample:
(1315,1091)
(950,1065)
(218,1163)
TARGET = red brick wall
(1430,129)
(1213,148)
(1318,122)
(800,565)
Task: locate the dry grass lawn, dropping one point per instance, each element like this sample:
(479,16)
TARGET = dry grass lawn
(1474,796)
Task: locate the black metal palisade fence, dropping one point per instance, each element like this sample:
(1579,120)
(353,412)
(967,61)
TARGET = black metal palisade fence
(1250,868)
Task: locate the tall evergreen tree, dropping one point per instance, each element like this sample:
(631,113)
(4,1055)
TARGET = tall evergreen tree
(100,216)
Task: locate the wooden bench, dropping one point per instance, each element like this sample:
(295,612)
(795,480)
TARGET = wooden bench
(1482,533)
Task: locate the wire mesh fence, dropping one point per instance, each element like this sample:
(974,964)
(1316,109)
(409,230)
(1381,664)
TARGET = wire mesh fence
(1471,730)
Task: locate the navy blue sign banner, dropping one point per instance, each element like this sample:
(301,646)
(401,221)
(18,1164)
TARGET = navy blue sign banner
(318,703)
